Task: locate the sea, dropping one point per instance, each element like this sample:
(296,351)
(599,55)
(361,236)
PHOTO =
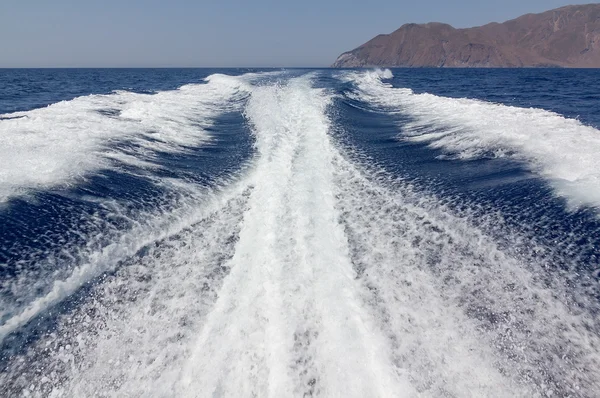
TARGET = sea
(299,233)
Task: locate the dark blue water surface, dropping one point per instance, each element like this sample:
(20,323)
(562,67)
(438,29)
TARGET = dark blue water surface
(25,89)
(571,92)
(574,93)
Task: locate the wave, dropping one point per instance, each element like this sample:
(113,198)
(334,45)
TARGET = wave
(69,140)
(561,150)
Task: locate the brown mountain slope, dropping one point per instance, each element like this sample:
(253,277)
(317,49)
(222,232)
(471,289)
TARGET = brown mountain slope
(564,37)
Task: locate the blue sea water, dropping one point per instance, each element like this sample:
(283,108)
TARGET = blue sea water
(227,232)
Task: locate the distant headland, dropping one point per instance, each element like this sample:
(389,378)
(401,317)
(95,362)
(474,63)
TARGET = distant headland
(566,37)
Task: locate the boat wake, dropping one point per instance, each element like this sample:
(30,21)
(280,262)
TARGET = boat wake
(308,274)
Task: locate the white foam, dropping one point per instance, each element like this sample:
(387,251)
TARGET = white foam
(288,312)
(564,151)
(68,140)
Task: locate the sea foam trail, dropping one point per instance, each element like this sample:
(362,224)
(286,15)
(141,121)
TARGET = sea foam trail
(314,276)
(68,140)
(289,312)
(561,150)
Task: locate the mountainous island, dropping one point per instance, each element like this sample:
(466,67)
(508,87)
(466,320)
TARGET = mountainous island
(565,37)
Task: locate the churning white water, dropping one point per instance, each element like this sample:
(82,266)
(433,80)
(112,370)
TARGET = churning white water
(310,275)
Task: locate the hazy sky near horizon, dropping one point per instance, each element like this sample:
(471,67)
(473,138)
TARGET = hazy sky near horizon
(213,33)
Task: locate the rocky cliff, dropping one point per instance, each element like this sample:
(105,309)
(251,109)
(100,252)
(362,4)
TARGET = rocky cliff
(564,37)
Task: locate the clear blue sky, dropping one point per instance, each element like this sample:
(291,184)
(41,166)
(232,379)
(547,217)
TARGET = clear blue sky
(123,33)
